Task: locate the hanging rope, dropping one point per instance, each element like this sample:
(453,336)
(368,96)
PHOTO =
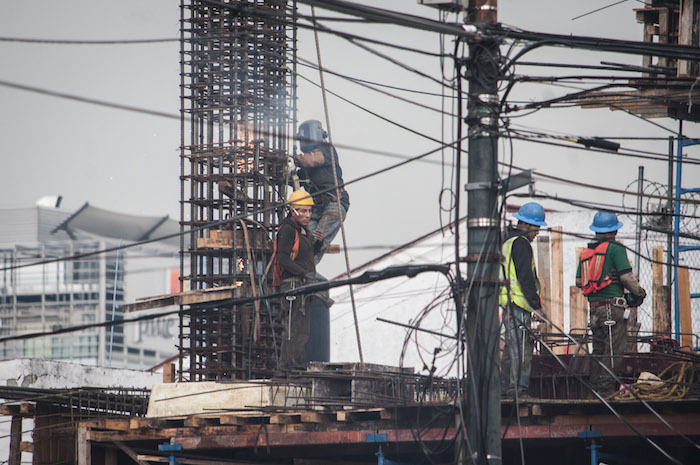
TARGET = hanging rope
(337,189)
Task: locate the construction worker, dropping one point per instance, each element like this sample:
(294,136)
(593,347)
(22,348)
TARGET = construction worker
(293,267)
(520,298)
(316,170)
(603,273)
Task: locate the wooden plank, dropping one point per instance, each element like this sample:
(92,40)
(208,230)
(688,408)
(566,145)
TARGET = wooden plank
(114,424)
(685,34)
(557,294)
(359,415)
(169,373)
(199,421)
(544,275)
(317,417)
(578,317)
(684,308)
(128,451)
(83,450)
(24,409)
(661,310)
(285,418)
(187,461)
(185,298)
(232,420)
(15,455)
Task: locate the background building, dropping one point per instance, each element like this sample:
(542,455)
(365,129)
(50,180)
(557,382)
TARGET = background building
(40,291)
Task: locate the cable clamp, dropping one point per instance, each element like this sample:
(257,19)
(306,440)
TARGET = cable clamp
(483,222)
(478,186)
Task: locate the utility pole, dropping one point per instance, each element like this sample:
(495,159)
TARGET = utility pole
(482,391)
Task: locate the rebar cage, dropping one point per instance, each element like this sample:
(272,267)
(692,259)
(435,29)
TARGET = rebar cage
(236,90)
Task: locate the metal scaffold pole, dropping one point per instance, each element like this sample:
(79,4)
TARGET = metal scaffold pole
(482,414)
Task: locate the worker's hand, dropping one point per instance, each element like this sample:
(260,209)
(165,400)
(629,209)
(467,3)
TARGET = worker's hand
(318,235)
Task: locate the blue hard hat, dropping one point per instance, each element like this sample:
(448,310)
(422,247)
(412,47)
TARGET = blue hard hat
(605,222)
(531,213)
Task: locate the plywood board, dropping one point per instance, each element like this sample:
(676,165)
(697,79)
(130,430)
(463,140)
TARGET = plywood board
(578,316)
(661,310)
(544,275)
(556,314)
(684,309)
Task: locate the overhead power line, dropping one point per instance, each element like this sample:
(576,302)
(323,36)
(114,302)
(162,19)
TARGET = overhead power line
(87,42)
(684,52)
(92,101)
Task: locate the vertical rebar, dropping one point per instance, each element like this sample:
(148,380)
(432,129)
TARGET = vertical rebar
(235,93)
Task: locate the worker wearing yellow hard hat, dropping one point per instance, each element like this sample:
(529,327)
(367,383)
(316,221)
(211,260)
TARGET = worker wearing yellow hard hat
(294,266)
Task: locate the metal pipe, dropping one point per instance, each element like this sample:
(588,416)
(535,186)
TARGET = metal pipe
(638,235)
(669,237)
(676,229)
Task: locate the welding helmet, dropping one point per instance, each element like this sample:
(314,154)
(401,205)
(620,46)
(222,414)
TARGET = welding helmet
(531,213)
(604,222)
(310,135)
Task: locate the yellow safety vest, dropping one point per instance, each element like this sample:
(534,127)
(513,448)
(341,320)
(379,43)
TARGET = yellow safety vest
(515,293)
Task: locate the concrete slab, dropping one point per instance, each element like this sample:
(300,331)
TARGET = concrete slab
(181,399)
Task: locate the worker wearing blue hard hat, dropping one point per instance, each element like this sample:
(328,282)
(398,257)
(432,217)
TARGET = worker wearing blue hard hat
(604,272)
(520,298)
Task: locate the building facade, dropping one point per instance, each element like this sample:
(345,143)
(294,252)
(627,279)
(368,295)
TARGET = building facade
(43,291)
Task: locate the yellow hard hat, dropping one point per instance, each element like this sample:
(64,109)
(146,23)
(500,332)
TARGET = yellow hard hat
(300,198)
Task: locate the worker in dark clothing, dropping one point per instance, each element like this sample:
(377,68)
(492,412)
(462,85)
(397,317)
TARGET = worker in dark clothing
(293,267)
(520,298)
(603,273)
(316,170)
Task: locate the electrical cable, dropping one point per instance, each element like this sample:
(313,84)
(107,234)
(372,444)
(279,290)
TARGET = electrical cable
(389,94)
(92,101)
(87,42)
(308,64)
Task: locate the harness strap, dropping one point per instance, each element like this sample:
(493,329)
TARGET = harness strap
(592,261)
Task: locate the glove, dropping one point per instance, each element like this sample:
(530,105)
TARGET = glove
(634,301)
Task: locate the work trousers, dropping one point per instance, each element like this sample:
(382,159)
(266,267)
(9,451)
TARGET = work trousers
(297,314)
(517,353)
(600,379)
(328,217)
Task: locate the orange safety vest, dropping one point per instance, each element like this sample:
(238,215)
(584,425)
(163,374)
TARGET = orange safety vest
(277,269)
(592,268)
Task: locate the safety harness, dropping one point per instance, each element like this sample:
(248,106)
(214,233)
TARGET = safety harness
(277,269)
(592,261)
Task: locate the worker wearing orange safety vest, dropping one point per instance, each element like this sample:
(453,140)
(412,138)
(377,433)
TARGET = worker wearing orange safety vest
(293,266)
(520,298)
(603,273)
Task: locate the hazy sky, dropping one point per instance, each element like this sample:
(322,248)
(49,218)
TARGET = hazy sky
(129,162)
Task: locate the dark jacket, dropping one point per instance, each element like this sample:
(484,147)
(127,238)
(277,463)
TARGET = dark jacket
(320,178)
(304,261)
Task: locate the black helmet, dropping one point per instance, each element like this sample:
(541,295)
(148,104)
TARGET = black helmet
(310,135)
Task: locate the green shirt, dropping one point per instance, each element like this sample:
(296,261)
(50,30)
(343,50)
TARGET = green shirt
(615,260)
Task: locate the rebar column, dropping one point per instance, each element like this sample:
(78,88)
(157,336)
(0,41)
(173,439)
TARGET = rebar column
(235,100)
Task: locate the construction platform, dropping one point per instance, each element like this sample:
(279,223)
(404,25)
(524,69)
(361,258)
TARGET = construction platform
(353,413)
